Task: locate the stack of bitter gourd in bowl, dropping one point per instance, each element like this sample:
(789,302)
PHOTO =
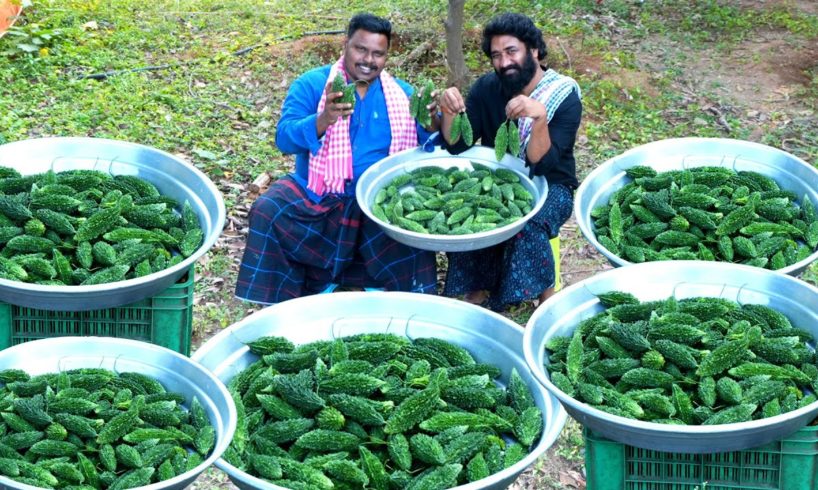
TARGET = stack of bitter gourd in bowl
(106,413)
(342,403)
(453,201)
(707,213)
(86,227)
(377,411)
(701,360)
(681,356)
(160,214)
(703,199)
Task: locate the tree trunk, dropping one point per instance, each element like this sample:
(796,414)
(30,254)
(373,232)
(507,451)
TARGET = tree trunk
(458,73)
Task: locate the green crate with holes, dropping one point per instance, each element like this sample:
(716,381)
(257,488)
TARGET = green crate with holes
(164,319)
(788,464)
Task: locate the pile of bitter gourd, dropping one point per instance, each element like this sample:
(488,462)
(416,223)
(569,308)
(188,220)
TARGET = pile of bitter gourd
(507,140)
(348,90)
(689,361)
(418,108)
(707,213)
(92,428)
(461,127)
(419,102)
(377,411)
(85,227)
(453,201)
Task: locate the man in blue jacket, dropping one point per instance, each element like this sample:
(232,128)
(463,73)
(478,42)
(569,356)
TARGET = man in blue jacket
(307,231)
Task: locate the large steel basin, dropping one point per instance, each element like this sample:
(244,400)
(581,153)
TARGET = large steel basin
(171,175)
(560,315)
(790,172)
(491,338)
(382,173)
(176,372)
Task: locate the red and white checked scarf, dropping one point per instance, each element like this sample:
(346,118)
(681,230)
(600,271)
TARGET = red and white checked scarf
(331,167)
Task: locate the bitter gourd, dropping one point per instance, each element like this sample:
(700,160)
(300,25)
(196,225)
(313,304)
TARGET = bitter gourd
(427,371)
(717,208)
(79,206)
(56,449)
(677,358)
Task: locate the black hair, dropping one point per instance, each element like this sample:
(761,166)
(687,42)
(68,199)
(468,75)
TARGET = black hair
(370,23)
(519,26)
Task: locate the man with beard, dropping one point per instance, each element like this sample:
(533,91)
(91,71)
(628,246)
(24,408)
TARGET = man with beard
(307,233)
(547,109)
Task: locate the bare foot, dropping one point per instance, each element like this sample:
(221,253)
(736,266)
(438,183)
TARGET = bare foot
(476,297)
(546,294)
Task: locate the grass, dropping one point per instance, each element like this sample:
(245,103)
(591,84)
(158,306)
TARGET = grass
(571,440)
(219,109)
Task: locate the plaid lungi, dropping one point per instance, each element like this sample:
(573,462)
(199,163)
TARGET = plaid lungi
(297,247)
(518,269)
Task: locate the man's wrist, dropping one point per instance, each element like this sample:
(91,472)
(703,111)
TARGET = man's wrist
(540,118)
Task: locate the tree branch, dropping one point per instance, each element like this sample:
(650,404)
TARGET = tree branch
(458,74)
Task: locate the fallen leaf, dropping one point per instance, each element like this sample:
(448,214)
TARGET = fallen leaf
(572,478)
(207,155)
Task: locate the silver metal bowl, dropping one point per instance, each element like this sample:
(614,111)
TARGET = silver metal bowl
(171,175)
(380,174)
(491,338)
(176,372)
(789,171)
(560,315)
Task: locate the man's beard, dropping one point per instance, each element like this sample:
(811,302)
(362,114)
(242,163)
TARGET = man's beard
(512,84)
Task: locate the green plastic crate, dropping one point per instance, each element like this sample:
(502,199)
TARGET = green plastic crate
(788,464)
(165,319)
